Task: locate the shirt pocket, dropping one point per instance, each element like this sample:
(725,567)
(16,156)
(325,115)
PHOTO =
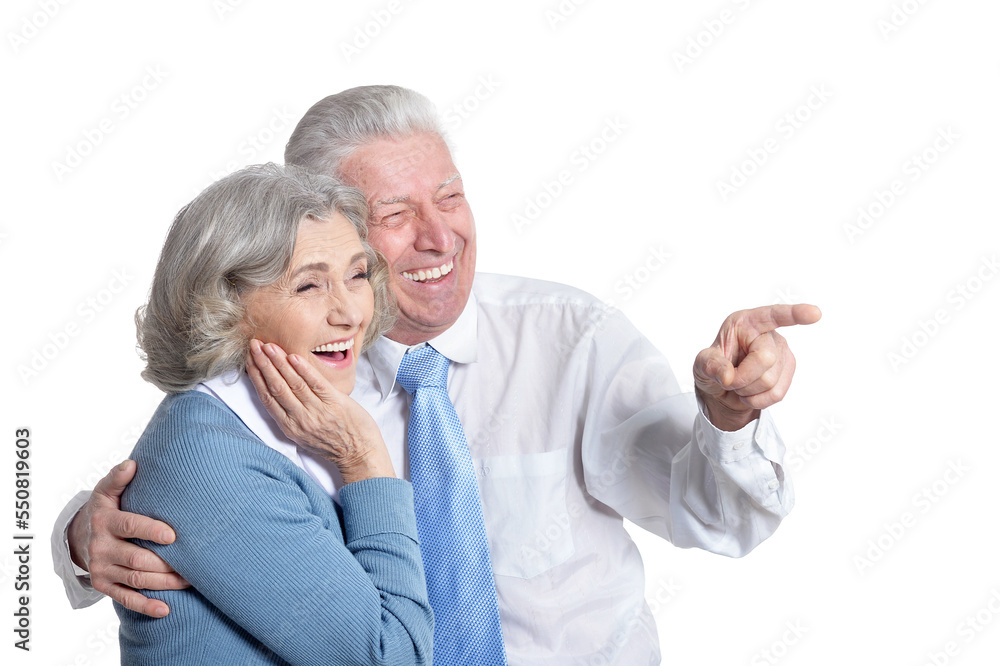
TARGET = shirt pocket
(524,508)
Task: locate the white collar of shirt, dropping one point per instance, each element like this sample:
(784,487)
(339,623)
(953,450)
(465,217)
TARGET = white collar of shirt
(458,344)
(239,394)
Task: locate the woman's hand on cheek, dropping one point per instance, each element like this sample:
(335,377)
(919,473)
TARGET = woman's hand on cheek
(315,415)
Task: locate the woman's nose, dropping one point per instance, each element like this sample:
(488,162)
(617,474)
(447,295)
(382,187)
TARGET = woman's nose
(344,311)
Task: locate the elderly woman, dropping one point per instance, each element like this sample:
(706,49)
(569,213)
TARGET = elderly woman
(294,556)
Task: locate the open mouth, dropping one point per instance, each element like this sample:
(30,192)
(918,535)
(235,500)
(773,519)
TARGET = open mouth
(335,351)
(429,274)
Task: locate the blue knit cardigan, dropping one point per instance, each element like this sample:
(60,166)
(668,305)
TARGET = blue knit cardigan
(280,573)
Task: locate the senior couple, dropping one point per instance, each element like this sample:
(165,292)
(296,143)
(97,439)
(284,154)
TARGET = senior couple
(466,499)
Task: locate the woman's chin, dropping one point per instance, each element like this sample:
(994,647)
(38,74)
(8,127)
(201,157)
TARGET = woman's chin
(339,372)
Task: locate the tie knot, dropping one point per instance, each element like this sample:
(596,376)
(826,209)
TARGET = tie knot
(423,367)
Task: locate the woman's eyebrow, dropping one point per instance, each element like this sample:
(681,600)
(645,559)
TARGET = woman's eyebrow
(309,267)
(324,267)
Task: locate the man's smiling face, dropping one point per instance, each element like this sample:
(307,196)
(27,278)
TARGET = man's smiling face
(423,225)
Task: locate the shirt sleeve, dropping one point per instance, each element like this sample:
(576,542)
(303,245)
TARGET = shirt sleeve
(650,453)
(75,580)
(251,541)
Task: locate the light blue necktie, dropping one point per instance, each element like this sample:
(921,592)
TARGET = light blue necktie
(449,520)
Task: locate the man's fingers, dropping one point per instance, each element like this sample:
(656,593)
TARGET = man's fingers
(763,360)
(134,601)
(113,484)
(775,394)
(146,580)
(768,318)
(712,365)
(113,557)
(124,525)
(763,383)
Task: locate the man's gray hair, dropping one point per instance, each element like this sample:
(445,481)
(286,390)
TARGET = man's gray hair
(237,236)
(337,125)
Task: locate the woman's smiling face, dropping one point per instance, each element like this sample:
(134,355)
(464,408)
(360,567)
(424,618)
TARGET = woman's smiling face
(322,306)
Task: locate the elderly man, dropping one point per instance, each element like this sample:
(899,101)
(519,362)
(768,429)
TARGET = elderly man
(568,420)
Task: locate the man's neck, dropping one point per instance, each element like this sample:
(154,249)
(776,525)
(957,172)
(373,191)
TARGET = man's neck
(409,337)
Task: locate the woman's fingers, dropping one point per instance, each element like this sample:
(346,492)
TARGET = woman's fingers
(315,382)
(259,383)
(276,384)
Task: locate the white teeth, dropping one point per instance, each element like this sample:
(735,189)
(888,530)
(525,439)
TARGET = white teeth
(335,346)
(430,273)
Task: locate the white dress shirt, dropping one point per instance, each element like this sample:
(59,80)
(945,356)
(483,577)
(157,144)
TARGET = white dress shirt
(574,421)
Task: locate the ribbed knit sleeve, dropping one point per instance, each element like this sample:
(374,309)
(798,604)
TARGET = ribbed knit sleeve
(263,547)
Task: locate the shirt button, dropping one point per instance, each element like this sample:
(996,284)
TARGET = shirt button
(773,485)
(738,445)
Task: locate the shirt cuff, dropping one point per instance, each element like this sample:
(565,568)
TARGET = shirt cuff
(378,506)
(75,580)
(757,447)
(726,445)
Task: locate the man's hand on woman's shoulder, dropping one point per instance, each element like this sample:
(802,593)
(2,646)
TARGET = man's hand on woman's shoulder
(99,542)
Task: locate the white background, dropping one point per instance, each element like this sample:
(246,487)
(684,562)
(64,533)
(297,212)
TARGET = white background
(868,434)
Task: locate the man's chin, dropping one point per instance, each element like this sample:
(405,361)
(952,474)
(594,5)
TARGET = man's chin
(410,330)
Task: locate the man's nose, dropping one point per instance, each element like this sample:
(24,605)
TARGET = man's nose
(433,233)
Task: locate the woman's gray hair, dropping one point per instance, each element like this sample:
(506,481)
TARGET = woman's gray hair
(236,236)
(337,125)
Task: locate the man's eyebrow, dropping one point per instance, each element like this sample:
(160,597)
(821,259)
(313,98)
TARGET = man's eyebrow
(395,200)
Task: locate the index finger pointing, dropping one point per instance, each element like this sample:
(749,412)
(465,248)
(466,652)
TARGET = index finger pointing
(770,317)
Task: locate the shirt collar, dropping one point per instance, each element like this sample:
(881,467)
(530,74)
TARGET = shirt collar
(458,344)
(238,392)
